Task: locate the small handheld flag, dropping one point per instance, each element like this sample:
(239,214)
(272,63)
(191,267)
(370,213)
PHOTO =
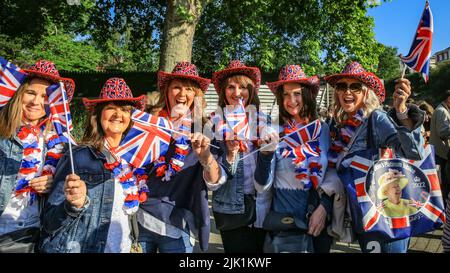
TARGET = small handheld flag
(419,55)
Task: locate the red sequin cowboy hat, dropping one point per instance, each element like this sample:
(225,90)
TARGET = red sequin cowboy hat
(354,70)
(236,67)
(46,70)
(293,73)
(182,70)
(115,89)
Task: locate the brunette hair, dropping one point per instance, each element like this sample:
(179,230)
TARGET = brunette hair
(309,104)
(242,80)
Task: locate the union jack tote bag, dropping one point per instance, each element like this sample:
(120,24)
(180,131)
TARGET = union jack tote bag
(392,197)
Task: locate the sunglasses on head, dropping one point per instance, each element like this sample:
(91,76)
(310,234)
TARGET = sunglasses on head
(355,87)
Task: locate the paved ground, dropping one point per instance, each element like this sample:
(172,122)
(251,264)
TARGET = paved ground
(426,243)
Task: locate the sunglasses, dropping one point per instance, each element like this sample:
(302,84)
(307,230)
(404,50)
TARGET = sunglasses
(355,87)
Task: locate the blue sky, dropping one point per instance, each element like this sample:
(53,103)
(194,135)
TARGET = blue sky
(397,21)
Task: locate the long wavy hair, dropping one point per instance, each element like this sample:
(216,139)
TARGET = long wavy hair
(371,103)
(11,114)
(162,103)
(94,135)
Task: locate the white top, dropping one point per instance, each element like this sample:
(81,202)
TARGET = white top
(17,215)
(119,232)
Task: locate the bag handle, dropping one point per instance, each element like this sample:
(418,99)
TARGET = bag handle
(134,228)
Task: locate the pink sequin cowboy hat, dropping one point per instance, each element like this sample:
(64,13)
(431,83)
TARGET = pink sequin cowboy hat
(293,73)
(355,70)
(182,70)
(115,89)
(236,67)
(46,70)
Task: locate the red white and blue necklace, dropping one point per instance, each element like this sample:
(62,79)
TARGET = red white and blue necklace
(32,158)
(133,181)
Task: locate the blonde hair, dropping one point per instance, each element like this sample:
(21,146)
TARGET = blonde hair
(371,103)
(11,113)
(161,105)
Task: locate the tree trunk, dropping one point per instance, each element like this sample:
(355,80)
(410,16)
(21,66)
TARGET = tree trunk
(179,28)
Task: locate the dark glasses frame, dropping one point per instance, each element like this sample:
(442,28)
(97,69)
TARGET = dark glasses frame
(355,87)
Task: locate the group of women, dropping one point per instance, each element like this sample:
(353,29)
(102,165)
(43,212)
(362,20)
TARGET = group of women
(276,199)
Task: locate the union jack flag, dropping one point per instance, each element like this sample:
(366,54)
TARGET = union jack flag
(361,183)
(146,141)
(302,142)
(11,77)
(237,120)
(419,55)
(59,112)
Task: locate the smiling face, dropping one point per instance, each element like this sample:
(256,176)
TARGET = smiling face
(33,100)
(292,99)
(235,91)
(115,119)
(181,93)
(393,192)
(351,95)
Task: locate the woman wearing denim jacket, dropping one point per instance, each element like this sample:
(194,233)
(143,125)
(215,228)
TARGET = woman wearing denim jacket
(89,211)
(176,211)
(358,95)
(238,210)
(294,171)
(29,152)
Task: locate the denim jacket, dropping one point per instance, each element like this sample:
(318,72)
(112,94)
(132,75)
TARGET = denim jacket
(387,131)
(11,155)
(229,197)
(67,229)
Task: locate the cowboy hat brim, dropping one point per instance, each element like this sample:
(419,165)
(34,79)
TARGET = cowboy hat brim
(313,82)
(252,72)
(138,102)
(164,78)
(402,181)
(69,84)
(367,78)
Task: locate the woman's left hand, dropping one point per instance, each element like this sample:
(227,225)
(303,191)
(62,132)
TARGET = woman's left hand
(317,221)
(41,184)
(200,145)
(401,94)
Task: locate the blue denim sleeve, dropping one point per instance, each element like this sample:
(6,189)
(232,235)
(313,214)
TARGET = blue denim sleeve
(389,132)
(264,171)
(58,213)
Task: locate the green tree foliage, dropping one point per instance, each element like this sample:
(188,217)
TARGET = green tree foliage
(322,35)
(388,63)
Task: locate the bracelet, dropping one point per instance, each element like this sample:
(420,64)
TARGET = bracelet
(207,166)
(402,115)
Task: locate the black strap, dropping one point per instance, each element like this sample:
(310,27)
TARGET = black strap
(370,141)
